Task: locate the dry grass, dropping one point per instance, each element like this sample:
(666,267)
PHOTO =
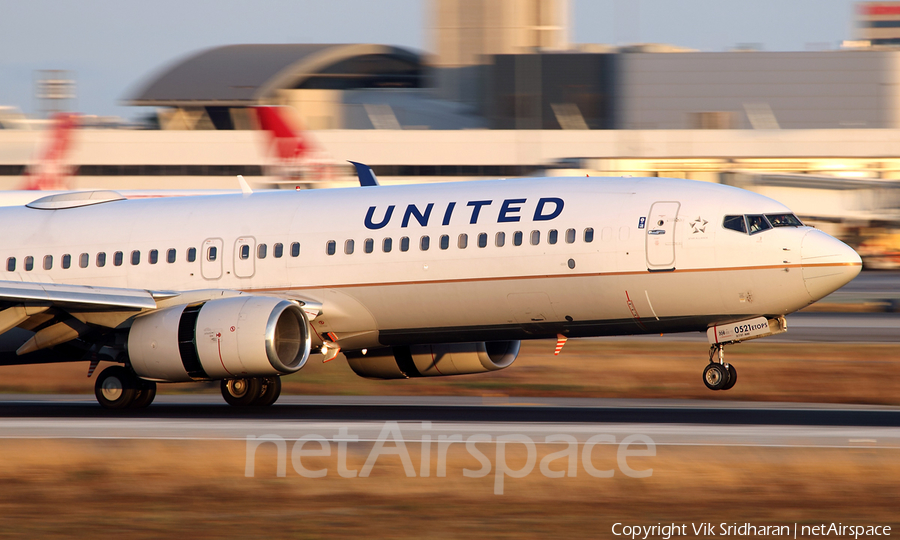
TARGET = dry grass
(140,489)
(151,489)
(838,373)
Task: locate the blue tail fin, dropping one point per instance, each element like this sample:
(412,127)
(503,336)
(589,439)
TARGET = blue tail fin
(365,174)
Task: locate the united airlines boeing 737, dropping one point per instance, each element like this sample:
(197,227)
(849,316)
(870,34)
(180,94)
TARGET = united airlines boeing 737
(406,281)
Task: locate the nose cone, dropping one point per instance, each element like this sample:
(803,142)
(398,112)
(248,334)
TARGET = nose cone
(828,264)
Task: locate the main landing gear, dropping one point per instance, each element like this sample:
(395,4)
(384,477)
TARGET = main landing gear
(718,375)
(117,387)
(254,391)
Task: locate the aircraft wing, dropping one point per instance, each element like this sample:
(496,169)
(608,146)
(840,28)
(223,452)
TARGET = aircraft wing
(59,313)
(63,313)
(79,296)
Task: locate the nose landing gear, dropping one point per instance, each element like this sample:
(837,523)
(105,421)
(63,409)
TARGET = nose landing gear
(718,375)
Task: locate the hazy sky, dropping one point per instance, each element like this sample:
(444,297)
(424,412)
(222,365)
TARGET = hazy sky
(113,46)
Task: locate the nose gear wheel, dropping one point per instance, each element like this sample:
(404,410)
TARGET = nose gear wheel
(718,375)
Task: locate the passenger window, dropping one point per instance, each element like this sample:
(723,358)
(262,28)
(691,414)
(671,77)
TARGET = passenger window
(170,255)
(192,254)
(570,236)
(118,257)
(482,240)
(551,236)
(83,260)
(445,241)
(261,251)
(211,254)
(295,249)
(387,245)
(153,257)
(244,252)
(136,256)
(348,247)
(757,223)
(517,238)
(424,243)
(500,239)
(463,241)
(330,247)
(735,223)
(29,263)
(369,245)
(589,235)
(404,243)
(101,259)
(48,262)
(11,264)
(278,251)
(535,238)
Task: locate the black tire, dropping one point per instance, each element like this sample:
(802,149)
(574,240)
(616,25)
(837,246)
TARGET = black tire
(715,376)
(116,388)
(145,395)
(270,390)
(241,392)
(732,377)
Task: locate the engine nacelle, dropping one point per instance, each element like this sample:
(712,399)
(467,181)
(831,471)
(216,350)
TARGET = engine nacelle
(433,360)
(242,336)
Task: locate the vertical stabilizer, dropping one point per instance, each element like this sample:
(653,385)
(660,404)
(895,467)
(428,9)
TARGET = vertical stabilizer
(294,156)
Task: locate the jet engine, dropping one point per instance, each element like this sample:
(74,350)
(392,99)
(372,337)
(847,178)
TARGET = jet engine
(433,360)
(238,337)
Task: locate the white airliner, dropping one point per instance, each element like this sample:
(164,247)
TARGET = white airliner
(407,281)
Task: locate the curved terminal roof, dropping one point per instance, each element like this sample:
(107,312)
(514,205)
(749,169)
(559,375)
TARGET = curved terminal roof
(242,75)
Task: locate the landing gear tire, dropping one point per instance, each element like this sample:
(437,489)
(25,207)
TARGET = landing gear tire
(270,390)
(732,377)
(241,392)
(715,376)
(117,388)
(145,396)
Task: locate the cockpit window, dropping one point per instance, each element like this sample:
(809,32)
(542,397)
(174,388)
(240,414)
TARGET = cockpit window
(754,223)
(735,223)
(784,220)
(757,223)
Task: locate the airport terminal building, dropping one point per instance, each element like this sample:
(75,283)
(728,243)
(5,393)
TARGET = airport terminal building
(525,103)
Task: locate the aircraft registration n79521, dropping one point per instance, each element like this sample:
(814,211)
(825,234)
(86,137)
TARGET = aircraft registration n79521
(406,281)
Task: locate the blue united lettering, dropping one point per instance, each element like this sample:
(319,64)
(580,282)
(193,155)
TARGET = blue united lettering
(413,211)
(508,211)
(542,213)
(375,226)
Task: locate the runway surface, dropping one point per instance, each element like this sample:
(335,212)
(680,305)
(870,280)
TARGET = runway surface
(666,422)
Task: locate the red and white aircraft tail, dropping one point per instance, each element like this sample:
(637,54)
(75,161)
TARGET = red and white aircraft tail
(295,157)
(50,170)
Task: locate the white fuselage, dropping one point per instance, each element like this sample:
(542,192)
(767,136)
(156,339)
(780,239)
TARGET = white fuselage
(659,259)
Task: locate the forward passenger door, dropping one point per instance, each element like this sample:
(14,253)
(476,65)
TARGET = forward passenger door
(660,237)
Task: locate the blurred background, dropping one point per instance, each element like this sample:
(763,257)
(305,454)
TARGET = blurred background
(484,89)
